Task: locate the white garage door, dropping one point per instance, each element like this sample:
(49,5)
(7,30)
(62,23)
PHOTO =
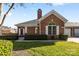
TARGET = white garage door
(67,32)
(76,32)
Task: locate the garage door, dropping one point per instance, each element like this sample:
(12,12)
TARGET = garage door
(76,32)
(67,32)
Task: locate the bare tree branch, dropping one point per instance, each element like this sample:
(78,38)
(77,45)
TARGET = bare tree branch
(6,14)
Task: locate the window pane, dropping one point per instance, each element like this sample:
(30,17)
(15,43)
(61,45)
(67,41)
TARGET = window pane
(49,30)
(54,30)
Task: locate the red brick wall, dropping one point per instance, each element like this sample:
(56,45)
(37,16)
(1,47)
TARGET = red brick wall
(48,20)
(30,30)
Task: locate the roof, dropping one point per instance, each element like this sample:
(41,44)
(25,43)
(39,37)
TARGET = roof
(34,22)
(28,23)
(72,24)
(55,13)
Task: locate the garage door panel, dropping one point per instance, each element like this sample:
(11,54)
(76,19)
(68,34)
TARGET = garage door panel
(76,32)
(67,32)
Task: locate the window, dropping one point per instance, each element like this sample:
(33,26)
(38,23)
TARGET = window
(54,30)
(51,30)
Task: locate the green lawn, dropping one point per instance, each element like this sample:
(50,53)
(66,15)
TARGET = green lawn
(61,48)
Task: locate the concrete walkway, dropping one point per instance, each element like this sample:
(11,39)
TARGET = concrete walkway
(74,39)
(21,53)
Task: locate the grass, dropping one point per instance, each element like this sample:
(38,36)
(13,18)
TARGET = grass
(61,48)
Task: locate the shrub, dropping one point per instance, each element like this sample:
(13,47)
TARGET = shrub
(56,37)
(46,37)
(59,37)
(5,48)
(63,37)
(36,37)
(9,37)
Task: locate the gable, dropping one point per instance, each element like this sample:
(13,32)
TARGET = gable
(54,13)
(52,19)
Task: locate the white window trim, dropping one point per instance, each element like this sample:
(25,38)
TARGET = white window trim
(46,30)
(25,29)
(36,30)
(57,31)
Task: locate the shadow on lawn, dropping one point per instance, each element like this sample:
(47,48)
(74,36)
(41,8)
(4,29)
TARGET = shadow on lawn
(28,45)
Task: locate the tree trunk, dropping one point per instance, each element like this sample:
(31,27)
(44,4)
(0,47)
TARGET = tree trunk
(0,8)
(6,14)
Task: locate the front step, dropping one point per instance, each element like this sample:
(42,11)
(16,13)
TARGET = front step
(21,38)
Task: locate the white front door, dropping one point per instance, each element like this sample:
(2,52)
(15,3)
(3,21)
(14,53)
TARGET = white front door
(52,30)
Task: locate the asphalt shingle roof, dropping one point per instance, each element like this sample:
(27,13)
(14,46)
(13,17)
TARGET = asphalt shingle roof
(72,24)
(28,23)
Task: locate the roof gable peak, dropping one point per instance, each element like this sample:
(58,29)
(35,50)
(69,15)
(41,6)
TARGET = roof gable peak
(55,13)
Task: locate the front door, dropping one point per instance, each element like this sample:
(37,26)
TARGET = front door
(21,30)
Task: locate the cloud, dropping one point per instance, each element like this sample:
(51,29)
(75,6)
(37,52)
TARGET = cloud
(58,4)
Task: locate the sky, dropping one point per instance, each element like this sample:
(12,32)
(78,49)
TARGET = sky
(29,12)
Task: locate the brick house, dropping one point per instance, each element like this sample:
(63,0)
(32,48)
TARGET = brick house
(50,24)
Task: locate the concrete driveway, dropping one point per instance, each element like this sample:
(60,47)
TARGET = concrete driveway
(74,39)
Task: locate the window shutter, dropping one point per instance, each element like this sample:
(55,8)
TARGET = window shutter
(57,30)
(25,29)
(46,30)
(36,30)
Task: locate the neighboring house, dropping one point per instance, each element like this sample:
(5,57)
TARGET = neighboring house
(4,30)
(50,24)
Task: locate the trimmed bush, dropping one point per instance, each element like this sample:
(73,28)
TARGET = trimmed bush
(36,37)
(59,37)
(45,37)
(9,34)
(56,37)
(63,37)
(6,48)
(9,37)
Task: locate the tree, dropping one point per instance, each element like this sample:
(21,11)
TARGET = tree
(11,6)
(3,18)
